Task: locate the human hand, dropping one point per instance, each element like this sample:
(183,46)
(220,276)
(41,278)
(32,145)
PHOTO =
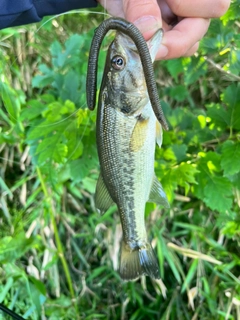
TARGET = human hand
(185,22)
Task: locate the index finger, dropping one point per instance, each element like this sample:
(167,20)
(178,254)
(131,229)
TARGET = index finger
(182,37)
(196,8)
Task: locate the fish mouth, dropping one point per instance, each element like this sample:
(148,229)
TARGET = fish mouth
(125,42)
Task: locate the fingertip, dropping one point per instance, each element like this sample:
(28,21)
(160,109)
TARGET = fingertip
(162,53)
(148,25)
(221,8)
(183,39)
(146,15)
(135,9)
(199,9)
(192,50)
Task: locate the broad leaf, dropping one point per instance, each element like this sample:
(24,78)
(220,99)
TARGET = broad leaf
(217,194)
(230,161)
(231,96)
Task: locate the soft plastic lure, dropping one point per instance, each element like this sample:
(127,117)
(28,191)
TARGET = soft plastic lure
(130,30)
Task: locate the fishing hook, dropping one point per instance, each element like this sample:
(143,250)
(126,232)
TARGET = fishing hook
(130,30)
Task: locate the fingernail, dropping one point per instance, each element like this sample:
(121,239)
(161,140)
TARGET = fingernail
(148,24)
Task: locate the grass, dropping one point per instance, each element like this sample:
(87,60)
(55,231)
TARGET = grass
(58,257)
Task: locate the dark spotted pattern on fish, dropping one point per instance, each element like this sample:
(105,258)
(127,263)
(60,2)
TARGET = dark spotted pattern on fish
(126,138)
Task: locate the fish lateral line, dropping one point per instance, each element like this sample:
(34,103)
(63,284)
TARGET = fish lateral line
(132,31)
(126,145)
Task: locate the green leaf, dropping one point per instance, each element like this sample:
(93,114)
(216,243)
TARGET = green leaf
(230,229)
(74,140)
(195,68)
(208,165)
(179,151)
(56,49)
(52,148)
(217,194)
(80,168)
(182,175)
(47,77)
(33,110)
(38,284)
(11,101)
(169,154)
(43,129)
(236,181)
(11,248)
(230,161)
(231,96)
(175,67)
(185,175)
(70,87)
(89,184)
(233,12)
(55,111)
(59,58)
(59,136)
(169,184)
(73,44)
(191,273)
(182,118)
(6,289)
(234,66)
(173,262)
(219,116)
(4,188)
(97,271)
(180,92)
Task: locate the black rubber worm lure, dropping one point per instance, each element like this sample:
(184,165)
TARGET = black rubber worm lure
(130,30)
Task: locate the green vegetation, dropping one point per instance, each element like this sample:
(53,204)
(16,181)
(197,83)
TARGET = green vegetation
(58,257)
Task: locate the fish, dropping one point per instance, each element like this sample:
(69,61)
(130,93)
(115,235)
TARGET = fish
(122,25)
(127,131)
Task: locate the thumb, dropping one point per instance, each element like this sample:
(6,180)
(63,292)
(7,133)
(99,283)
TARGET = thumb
(146,15)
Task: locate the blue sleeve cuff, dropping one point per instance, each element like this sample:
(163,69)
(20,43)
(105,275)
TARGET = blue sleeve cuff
(19,12)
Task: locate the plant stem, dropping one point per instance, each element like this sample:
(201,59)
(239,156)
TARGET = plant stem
(56,234)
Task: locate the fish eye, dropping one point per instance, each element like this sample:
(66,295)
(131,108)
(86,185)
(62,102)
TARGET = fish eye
(118,62)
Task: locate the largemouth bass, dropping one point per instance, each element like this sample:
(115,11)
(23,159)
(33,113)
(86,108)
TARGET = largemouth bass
(127,132)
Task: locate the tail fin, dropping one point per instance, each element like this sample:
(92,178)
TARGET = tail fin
(138,261)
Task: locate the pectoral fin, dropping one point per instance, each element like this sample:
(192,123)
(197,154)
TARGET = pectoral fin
(103,200)
(157,194)
(158,134)
(154,43)
(139,134)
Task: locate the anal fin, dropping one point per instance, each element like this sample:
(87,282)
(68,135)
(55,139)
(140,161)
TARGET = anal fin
(157,194)
(103,200)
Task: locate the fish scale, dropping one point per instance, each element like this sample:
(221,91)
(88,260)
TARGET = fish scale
(123,166)
(126,139)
